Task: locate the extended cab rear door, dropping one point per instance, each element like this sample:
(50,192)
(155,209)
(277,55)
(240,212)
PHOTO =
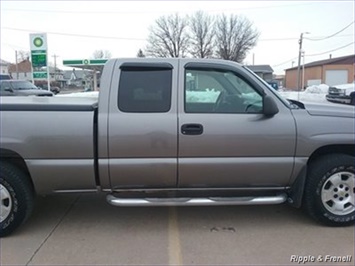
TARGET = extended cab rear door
(142,125)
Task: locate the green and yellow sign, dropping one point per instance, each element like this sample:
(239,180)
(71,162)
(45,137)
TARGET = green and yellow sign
(38,44)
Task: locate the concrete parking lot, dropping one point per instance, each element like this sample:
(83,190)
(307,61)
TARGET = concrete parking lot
(85,230)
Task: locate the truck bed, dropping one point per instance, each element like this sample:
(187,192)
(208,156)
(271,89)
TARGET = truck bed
(55,136)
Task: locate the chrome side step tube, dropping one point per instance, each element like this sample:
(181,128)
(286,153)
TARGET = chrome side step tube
(138,202)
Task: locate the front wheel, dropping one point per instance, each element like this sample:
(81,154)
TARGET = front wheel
(330,187)
(16,202)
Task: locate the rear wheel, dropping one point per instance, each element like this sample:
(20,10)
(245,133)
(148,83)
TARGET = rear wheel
(329,192)
(16,202)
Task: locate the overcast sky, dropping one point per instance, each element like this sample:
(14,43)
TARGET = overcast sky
(76,28)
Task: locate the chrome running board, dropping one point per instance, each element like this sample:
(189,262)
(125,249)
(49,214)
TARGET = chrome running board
(136,202)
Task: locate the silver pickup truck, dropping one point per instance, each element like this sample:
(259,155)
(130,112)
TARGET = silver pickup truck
(171,132)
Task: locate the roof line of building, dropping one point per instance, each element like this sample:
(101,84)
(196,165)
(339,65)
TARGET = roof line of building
(323,62)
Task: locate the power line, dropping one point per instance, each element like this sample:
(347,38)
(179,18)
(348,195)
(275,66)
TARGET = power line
(293,39)
(344,35)
(135,39)
(14,46)
(145,11)
(332,35)
(336,49)
(290,60)
(278,39)
(77,35)
(81,11)
(261,7)
(333,50)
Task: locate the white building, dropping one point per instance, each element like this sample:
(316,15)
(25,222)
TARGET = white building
(4,67)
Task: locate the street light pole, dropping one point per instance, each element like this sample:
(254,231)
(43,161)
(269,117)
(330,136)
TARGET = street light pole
(299,61)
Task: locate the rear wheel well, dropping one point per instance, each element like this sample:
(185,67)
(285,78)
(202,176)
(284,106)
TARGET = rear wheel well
(348,149)
(16,160)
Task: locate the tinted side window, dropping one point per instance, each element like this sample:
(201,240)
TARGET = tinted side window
(211,91)
(145,90)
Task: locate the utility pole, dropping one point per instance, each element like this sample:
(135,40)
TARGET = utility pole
(299,61)
(303,54)
(55,66)
(16,60)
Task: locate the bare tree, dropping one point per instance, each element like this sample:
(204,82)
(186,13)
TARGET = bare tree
(168,37)
(23,55)
(202,35)
(100,54)
(140,53)
(235,36)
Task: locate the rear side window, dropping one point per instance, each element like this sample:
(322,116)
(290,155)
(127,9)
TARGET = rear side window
(145,90)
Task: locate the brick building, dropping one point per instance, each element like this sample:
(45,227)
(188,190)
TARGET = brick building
(23,70)
(332,71)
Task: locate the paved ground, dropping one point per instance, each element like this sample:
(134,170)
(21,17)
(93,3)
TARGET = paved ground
(85,230)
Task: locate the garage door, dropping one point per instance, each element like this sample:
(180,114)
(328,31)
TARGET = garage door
(336,77)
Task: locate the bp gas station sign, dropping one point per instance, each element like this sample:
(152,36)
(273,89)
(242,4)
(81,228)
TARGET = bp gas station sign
(38,44)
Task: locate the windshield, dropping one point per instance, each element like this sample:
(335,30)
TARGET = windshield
(277,94)
(23,85)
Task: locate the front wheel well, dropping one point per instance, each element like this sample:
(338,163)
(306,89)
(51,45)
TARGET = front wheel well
(348,149)
(297,190)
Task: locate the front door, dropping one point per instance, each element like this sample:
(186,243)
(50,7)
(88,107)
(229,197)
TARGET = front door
(224,139)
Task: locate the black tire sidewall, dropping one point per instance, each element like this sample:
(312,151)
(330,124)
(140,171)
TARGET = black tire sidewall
(19,187)
(320,173)
(14,214)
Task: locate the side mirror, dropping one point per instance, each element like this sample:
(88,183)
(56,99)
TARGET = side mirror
(9,90)
(269,106)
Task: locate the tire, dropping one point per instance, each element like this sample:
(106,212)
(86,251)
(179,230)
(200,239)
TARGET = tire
(352,99)
(17,198)
(329,191)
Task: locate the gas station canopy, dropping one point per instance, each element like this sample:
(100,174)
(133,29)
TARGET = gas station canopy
(95,65)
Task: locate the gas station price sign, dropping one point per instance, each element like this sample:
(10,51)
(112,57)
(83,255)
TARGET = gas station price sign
(39,59)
